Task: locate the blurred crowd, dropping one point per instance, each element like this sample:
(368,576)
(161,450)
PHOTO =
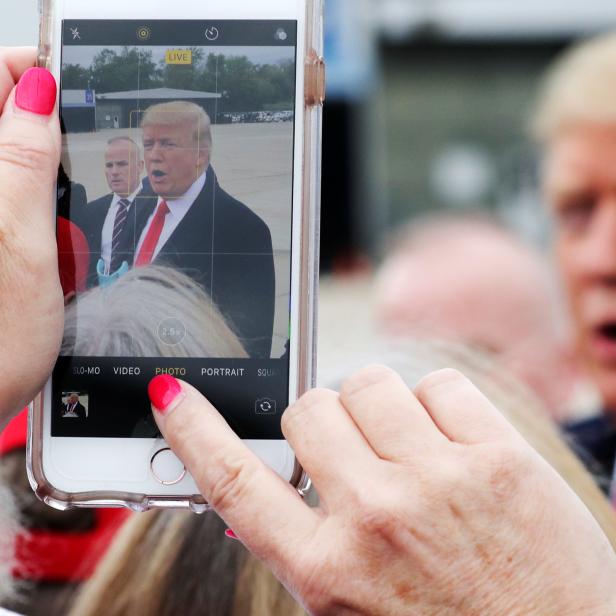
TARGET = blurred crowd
(533,326)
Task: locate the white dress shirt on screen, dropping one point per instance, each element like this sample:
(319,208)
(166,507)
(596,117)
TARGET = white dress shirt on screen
(178,208)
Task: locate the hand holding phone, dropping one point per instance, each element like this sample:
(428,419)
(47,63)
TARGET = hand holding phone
(30,298)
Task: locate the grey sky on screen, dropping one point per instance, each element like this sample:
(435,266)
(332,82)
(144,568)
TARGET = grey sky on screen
(84,54)
(19,22)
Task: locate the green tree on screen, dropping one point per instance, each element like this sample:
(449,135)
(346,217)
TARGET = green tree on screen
(75,77)
(245,86)
(131,69)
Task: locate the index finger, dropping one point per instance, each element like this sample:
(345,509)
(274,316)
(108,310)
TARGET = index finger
(14,61)
(263,510)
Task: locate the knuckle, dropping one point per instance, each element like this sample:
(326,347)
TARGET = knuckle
(317,586)
(365,379)
(376,512)
(377,520)
(28,155)
(507,466)
(446,378)
(229,482)
(384,526)
(306,406)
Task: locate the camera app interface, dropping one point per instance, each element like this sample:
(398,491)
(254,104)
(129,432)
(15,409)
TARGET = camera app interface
(175,199)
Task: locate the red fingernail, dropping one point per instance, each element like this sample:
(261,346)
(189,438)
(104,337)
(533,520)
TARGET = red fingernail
(229,533)
(36,91)
(163,391)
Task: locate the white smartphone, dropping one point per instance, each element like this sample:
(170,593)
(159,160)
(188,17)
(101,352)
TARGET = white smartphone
(187,234)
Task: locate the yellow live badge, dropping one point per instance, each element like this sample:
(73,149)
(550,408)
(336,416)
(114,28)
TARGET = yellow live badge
(178,56)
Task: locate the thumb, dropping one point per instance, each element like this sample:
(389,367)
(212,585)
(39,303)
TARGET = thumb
(29,155)
(29,150)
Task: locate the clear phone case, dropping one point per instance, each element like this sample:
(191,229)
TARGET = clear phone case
(305,359)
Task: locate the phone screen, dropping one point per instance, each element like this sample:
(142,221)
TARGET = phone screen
(175,203)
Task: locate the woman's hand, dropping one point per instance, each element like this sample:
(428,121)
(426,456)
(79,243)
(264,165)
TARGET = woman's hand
(431,503)
(31,304)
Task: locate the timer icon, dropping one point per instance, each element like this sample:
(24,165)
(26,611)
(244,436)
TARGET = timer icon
(211,34)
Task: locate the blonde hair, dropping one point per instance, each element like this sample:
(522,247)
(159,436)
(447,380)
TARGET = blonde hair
(164,563)
(181,112)
(579,88)
(123,320)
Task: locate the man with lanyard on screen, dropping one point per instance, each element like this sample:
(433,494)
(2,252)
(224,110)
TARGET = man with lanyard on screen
(106,220)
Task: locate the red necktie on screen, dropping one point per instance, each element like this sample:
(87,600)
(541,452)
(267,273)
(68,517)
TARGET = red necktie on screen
(153,235)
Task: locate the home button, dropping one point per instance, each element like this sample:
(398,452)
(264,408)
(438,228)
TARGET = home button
(167,468)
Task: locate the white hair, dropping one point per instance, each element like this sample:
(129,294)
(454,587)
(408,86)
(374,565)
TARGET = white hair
(123,320)
(579,88)
(181,112)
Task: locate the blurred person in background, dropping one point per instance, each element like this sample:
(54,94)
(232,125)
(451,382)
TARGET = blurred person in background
(173,562)
(470,280)
(576,124)
(55,551)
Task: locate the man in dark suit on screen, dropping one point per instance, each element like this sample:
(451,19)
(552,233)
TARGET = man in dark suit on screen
(106,221)
(192,224)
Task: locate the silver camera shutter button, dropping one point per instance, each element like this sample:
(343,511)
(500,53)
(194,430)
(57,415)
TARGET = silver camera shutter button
(167,468)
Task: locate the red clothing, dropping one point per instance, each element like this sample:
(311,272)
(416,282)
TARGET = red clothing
(59,556)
